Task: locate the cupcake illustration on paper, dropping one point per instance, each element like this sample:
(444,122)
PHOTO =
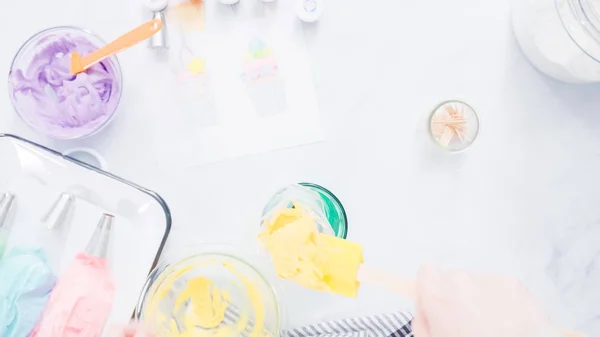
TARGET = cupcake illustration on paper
(261,77)
(194,86)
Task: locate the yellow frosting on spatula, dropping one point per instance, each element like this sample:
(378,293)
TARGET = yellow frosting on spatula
(314,260)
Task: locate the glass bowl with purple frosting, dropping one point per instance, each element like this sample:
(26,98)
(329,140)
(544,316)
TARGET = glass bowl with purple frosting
(53,101)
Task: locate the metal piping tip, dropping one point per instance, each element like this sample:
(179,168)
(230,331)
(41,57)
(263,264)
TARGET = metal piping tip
(5,209)
(100,241)
(6,204)
(57,214)
(159,40)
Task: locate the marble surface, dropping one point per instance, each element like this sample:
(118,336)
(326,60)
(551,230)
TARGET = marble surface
(524,200)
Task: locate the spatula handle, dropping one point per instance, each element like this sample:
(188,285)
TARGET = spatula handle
(382,279)
(405,287)
(131,38)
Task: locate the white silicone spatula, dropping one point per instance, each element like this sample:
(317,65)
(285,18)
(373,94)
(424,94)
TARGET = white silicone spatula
(405,287)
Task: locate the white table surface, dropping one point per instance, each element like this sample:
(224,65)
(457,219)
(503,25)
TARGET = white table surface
(524,200)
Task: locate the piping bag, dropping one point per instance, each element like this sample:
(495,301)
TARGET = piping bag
(82,299)
(27,275)
(322,262)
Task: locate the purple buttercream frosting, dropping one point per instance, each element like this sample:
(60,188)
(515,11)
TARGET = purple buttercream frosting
(55,102)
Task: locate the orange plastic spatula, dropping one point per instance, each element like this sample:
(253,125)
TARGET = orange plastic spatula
(139,34)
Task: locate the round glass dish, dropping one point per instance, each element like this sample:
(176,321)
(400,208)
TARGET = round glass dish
(319,201)
(210,293)
(453,125)
(51,100)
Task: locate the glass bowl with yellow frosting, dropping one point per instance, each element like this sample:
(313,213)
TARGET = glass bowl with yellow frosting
(321,203)
(212,293)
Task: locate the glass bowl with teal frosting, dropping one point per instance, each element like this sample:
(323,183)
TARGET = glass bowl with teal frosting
(317,200)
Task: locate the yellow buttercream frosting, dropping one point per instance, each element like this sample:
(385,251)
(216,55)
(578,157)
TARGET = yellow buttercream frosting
(312,259)
(208,303)
(195,307)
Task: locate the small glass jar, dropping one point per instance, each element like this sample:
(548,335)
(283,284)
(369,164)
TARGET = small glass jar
(453,125)
(560,37)
(320,202)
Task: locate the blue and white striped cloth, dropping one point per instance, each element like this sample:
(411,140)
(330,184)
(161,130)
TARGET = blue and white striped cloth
(388,325)
(397,324)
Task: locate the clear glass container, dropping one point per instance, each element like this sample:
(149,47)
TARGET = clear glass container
(250,298)
(319,201)
(51,100)
(561,38)
(453,125)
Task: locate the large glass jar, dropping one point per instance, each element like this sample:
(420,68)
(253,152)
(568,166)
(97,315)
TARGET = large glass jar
(560,37)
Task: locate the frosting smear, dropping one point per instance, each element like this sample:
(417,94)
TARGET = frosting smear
(207,304)
(314,260)
(185,305)
(81,301)
(26,280)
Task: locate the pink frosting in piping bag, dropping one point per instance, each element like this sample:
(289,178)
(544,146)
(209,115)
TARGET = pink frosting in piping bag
(82,299)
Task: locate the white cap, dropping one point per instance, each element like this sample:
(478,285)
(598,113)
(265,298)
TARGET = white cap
(229,2)
(309,10)
(156,5)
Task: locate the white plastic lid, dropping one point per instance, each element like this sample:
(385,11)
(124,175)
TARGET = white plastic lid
(309,10)
(156,5)
(229,2)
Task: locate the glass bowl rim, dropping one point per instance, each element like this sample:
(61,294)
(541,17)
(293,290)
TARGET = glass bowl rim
(336,200)
(113,59)
(433,111)
(212,250)
(320,188)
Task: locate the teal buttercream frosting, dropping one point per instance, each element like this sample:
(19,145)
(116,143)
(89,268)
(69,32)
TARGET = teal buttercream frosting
(26,280)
